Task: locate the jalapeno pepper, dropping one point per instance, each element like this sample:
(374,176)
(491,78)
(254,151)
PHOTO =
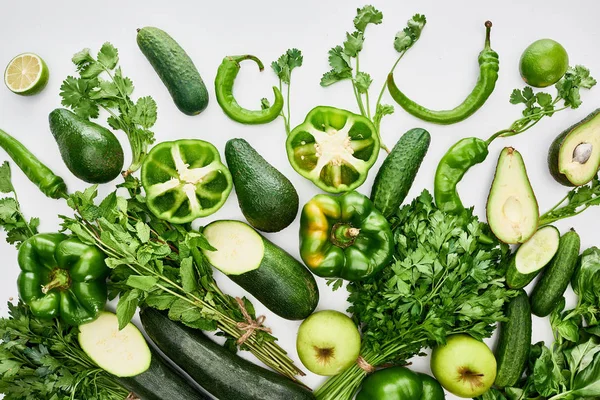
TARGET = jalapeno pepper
(185,180)
(62,277)
(488,75)
(344,236)
(51,185)
(333,148)
(226,74)
(400,383)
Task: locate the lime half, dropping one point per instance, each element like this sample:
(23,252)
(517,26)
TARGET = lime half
(26,74)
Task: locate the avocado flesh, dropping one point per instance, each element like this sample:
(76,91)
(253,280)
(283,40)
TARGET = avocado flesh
(512,209)
(579,156)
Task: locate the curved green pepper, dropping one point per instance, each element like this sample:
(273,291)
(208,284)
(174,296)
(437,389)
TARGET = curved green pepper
(62,277)
(333,148)
(185,180)
(344,236)
(228,71)
(400,383)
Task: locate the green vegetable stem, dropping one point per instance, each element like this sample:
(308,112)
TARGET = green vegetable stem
(50,184)
(468,152)
(283,68)
(226,74)
(488,75)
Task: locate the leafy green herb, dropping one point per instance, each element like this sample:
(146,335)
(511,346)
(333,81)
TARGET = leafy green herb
(283,68)
(574,203)
(345,64)
(444,280)
(12,220)
(41,359)
(89,93)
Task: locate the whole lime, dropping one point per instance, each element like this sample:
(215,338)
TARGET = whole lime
(543,63)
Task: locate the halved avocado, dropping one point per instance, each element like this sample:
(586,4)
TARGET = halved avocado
(512,209)
(574,156)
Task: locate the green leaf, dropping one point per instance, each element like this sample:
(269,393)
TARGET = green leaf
(547,374)
(127,307)
(75,94)
(339,60)
(145,112)
(367,15)
(143,283)
(543,99)
(264,103)
(5,178)
(335,283)
(283,67)
(363,82)
(407,37)
(83,57)
(160,301)
(516,97)
(108,56)
(331,77)
(587,381)
(294,59)
(9,368)
(188,275)
(143,231)
(354,43)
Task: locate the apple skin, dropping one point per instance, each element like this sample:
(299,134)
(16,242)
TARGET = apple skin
(459,352)
(328,330)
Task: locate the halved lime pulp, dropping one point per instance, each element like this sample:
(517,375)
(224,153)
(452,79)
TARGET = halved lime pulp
(26,74)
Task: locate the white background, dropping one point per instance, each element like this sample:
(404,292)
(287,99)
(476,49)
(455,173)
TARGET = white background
(438,72)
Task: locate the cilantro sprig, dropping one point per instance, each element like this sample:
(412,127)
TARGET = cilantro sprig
(574,203)
(283,68)
(345,61)
(91,91)
(12,220)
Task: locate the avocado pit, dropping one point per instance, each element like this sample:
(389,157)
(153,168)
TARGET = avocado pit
(583,152)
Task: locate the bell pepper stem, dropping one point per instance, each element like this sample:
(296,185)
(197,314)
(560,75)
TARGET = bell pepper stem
(60,279)
(343,235)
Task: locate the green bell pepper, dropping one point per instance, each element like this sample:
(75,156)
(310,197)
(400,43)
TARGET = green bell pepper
(185,180)
(400,383)
(333,148)
(344,236)
(62,277)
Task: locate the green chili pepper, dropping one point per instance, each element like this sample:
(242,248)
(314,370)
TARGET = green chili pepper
(62,277)
(51,185)
(488,75)
(224,81)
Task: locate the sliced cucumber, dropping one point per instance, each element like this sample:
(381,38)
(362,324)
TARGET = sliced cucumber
(123,353)
(240,248)
(532,256)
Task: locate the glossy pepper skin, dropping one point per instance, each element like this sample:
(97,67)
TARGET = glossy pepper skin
(51,185)
(400,383)
(333,148)
(488,75)
(62,277)
(451,169)
(185,180)
(224,81)
(344,236)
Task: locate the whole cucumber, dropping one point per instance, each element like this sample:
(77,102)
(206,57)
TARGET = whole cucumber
(175,68)
(398,171)
(557,275)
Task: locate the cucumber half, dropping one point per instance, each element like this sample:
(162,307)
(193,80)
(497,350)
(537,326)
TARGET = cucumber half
(123,353)
(240,248)
(532,256)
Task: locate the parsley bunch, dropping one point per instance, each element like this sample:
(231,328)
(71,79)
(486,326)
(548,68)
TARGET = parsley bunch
(89,93)
(283,68)
(446,278)
(41,359)
(12,220)
(345,63)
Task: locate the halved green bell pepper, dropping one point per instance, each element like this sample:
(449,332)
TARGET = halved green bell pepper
(344,236)
(400,383)
(185,180)
(62,277)
(333,148)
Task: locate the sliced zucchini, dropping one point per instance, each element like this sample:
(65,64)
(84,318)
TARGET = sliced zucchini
(123,353)
(240,248)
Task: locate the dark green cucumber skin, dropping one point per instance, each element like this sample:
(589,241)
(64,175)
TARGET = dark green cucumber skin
(556,276)
(514,343)
(517,280)
(175,68)
(398,171)
(219,371)
(90,151)
(266,197)
(282,284)
(555,149)
(161,382)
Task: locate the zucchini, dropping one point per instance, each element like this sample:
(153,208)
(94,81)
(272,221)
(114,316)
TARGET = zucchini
(532,256)
(398,171)
(275,278)
(556,277)
(175,68)
(161,382)
(513,347)
(216,369)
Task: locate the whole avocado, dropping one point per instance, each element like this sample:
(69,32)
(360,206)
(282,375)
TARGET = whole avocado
(90,151)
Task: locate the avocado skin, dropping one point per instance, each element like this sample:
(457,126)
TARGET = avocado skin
(175,68)
(91,152)
(557,144)
(266,197)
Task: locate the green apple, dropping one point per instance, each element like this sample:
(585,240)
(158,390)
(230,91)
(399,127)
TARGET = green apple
(328,343)
(464,366)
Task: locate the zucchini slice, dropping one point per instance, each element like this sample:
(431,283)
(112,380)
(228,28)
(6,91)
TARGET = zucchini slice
(240,248)
(123,353)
